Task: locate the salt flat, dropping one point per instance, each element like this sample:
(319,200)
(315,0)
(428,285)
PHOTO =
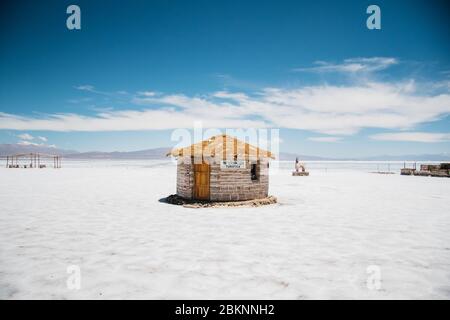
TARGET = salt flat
(318,242)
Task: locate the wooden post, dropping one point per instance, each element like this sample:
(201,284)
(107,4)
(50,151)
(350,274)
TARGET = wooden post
(7,160)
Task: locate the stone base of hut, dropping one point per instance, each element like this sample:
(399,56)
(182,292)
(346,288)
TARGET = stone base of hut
(190,203)
(300,173)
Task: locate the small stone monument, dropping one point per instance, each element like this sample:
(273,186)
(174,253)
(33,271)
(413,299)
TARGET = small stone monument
(299,169)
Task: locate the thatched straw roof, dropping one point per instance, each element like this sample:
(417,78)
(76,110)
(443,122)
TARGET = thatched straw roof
(223,146)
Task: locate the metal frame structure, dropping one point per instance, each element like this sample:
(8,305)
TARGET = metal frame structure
(12,161)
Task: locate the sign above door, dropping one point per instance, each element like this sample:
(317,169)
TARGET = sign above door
(232,164)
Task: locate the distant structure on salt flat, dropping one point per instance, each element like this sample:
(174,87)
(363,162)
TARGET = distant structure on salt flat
(300,169)
(36,160)
(222,168)
(433,170)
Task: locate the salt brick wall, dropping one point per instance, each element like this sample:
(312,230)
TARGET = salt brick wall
(226,184)
(185,179)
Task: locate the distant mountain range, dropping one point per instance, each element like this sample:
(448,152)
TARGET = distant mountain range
(10,149)
(157,153)
(411,157)
(160,153)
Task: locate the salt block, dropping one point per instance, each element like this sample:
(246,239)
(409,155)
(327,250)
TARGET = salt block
(300,173)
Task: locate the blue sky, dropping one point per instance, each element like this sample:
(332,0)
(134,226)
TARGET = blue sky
(138,70)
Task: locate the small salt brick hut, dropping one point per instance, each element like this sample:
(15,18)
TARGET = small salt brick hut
(222,168)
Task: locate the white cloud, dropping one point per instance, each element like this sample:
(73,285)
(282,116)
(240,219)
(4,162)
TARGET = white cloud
(28,143)
(85,87)
(147,93)
(352,65)
(92,89)
(412,137)
(325,139)
(26,140)
(325,109)
(229,95)
(127,120)
(25,136)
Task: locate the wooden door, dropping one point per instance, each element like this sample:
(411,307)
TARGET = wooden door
(201,181)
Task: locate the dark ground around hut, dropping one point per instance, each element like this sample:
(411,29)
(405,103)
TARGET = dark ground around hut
(189,203)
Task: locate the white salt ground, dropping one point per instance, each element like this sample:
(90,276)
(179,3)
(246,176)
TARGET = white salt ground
(317,243)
